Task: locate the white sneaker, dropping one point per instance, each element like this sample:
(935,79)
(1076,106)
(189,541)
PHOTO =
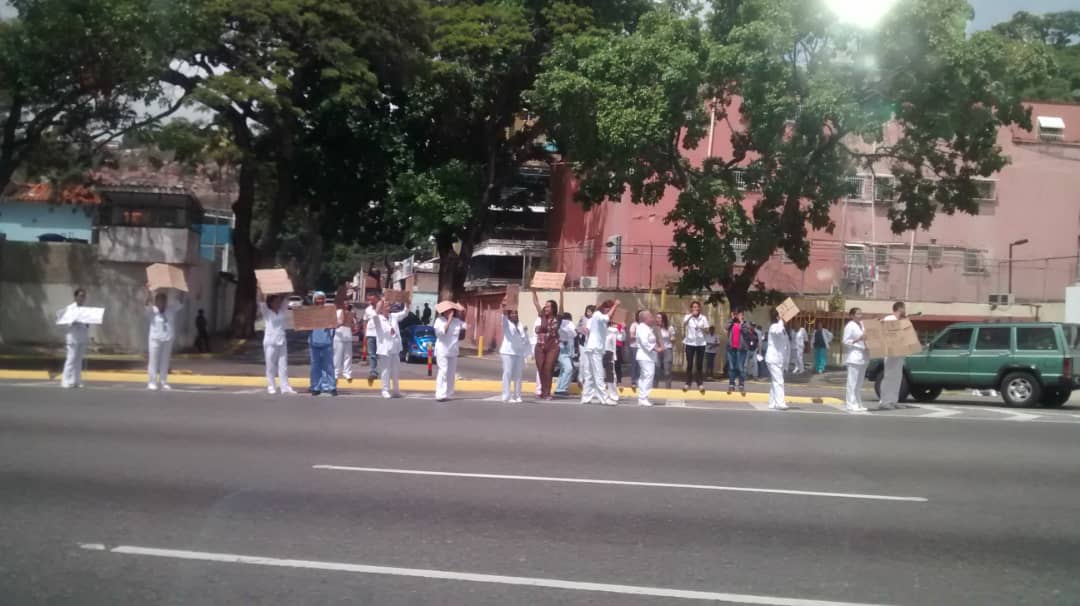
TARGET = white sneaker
(151,386)
(782,407)
(644,403)
(67,385)
(166,387)
(287,390)
(270,390)
(611,402)
(79,385)
(386,394)
(517,400)
(857,409)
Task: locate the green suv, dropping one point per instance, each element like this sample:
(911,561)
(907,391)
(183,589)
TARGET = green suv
(1029,363)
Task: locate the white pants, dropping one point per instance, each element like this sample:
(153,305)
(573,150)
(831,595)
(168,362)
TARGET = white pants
(512,369)
(538,383)
(277,364)
(890,382)
(646,375)
(73,363)
(776,386)
(593,379)
(158,361)
(856,375)
(390,374)
(342,356)
(444,379)
(799,365)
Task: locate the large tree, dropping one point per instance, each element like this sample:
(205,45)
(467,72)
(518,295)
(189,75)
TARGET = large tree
(1061,33)
(807,101)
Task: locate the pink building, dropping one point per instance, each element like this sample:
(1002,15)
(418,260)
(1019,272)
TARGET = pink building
(962,258)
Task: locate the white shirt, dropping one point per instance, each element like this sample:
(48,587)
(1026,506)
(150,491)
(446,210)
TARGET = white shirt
(854,351)
(598,328)
(163,324)
(667,335)
(696,329)
(344,328)
(388,334)
(567,333)
(712,344)
(447,335)
(800,338)
(76,332)
(514,342)
(779,344)
(646,343)
(633,332)
(369,318)
(612,339)
(274,330)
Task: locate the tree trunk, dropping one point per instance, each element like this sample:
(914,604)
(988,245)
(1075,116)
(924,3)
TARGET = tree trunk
(285,165)
(453,269)
(243,320)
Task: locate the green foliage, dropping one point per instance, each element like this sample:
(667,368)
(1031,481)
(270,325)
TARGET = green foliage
(807,102)
(1061,33)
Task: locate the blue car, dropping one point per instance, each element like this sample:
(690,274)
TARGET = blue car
(415,341)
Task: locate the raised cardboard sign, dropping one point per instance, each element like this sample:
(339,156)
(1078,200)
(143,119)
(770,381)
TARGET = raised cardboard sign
(395,296)
(311,317)
(787,310)
(444,306)
(274,281)
(160,275)
(513,292)
(546,280)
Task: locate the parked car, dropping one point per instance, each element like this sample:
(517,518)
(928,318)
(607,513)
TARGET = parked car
(295,301)
(1029,363)
(415,340)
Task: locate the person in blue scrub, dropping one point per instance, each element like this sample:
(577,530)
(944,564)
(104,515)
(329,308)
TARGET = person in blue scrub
(321,345)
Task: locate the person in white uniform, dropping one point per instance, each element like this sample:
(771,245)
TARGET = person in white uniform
(800,346)
(512,350)
(343,344)
(855,358)
(593,387)
(388,347)
(448,327)
(894,367)
(370,341)
(647,352)
(76,337)
(275,350)
(162,314)
(775,359)
(584,369)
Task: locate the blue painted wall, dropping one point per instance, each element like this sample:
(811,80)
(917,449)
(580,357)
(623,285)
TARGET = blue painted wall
(25,221)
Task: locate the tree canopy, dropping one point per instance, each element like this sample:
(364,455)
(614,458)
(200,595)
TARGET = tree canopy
(1060,32)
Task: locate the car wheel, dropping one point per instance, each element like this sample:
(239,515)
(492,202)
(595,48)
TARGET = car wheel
(1020,389)
(1056,396)
(923,393)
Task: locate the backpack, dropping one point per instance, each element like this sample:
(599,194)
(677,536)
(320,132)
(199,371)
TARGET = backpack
(750,337)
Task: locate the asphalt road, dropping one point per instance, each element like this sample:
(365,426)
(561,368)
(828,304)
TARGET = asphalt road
(126,497)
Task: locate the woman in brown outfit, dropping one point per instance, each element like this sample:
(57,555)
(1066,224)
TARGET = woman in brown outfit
(546,352)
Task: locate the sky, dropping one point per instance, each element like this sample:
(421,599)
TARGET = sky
(989,12)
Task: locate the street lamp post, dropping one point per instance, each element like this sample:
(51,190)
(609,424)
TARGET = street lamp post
(1011,246)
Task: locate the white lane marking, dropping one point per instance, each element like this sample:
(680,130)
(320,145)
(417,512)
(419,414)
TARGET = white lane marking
(1014,416)
(491,476)
(448,575)
(940,413)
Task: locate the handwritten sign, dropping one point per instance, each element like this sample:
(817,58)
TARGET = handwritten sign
(160,275)
(395,296)
(274,281)
(787,310)
(546,280)
(311,317)
(875,338)
(445,306)
(892,339)
(513,292)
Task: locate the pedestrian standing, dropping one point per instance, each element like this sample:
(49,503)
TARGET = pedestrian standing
(695,327)
(512,350)
(202,335)
(448,327)
(275,351)
(343,343)
(800,347)
(76,338)
(546,352)
(388,347)
(753,348)
(712,348)
(162,314)
(666,333)
(425,317)
(633,349)
(370,338)
(737,345)
(774,360)
(855,359)
(594,388)
(584,368)
(822,340)
(321,349)
(647,350)
(790,334)
(567,337)
(612,362)
(894,367)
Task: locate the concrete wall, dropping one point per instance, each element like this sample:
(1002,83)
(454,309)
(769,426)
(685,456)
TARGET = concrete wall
(148,245)
(25,221)
(36,280)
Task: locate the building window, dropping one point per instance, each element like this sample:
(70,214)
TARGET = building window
(740,179)
(589,249)
(739,246)
(881,258)
(973,262)
(885,189)
(987,189)
(860,184)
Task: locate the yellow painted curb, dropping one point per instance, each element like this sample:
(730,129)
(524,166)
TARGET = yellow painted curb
(421,385)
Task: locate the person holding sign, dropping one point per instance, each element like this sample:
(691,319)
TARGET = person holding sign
(775,358)
(275,350)
(855,358)
(695,329)
(343,343)
(546,352)
(448,327)
(162,315)
(512,350)
(321,346)
(388,347)
(647,350)
(593,385)
(76,337)
(894,367)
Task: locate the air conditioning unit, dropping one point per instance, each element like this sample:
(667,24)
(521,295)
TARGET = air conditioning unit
(1002,299)
(589,282)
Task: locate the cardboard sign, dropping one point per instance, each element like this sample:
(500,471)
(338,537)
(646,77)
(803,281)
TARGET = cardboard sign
(160,275)
(545,280)
(875,339)
(311,317)
(513,292)
(893,339)
(445,306)
(787,310)
(274,281)
(395,296)
(82,315)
